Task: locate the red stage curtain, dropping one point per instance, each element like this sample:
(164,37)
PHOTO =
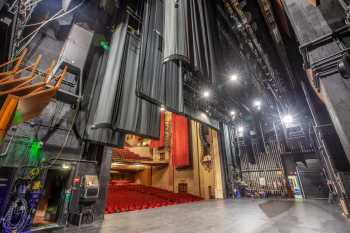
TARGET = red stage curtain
(180,141)
(159,143)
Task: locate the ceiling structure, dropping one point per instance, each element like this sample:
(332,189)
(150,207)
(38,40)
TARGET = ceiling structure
(250,43)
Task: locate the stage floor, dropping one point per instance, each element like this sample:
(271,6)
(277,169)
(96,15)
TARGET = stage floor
(227,216)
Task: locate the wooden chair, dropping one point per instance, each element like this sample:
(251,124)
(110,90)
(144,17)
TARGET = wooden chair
(15,63)
(27,102)
(33,104)
(15,79)
(25,85)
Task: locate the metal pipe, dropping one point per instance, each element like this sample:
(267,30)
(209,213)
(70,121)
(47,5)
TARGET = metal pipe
(300,183)
(343,4)
(323,149)
(77,160)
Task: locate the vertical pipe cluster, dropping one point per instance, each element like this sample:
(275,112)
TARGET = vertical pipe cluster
(267,174)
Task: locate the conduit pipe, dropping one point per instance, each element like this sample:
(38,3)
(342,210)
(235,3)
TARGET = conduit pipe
(233,7)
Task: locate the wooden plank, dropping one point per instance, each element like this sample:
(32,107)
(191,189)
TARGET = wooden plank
(16,63)
(7,112)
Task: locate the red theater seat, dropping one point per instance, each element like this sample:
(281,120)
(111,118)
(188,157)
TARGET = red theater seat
(124,197)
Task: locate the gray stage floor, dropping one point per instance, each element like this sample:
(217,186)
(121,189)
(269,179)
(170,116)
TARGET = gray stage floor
(227,216)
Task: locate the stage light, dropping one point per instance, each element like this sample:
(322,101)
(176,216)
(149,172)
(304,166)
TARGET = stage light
(233,77)
(257,104)
(206,94)
(65,166)
(287,119)
(117,164)
(162,108)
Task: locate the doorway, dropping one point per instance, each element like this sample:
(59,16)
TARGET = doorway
(51,201)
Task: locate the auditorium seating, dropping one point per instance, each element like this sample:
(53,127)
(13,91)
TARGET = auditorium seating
(126,154)
(124,197)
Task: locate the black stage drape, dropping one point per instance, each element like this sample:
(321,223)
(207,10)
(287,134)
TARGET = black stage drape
(137,75)
(201,26)
(92,88)
(176,41)
(119,108)
(157,82)
(227,155)
(109,95)
(227,146)
(176,34)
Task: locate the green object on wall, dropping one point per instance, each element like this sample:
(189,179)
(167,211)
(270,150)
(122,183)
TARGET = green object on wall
(35,151)
(17,119)
(104,44)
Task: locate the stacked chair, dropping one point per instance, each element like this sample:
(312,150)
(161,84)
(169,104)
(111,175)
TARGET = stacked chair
(23,93)
(131,197)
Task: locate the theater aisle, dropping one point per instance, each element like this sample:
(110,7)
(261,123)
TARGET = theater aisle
(226,216)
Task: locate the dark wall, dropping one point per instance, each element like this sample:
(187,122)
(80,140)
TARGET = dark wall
(104,177)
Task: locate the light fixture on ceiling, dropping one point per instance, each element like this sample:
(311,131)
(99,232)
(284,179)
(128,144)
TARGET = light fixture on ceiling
(287,119)
(233,113)
(117,164)
(66,166)
(206,94)
(257,104)
(233,77)
(240,129)
(162,108)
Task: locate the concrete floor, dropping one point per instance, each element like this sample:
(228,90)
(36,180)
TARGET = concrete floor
(227,216)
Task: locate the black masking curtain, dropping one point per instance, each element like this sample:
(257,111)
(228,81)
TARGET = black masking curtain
(109,95)
(93,85)
(188,28)
(226,143)
(176,41)
(150,80)
(176,30)
(226,157)
(201,26)
(158,83)
(247,138)
(119,108)
(134,114)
